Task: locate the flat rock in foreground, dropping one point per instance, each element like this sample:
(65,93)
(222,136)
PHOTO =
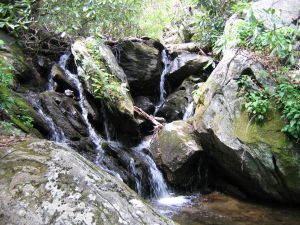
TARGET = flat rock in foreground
(43,182)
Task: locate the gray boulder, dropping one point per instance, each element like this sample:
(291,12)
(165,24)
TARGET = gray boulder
(176,150)
(141,61)
(185,65)
(47,183)
(258,158)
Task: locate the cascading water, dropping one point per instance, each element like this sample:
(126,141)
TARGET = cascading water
(96,139)
(189,111)
(157,182)
(138,184)
(83,105)
(166,61)
(56,134)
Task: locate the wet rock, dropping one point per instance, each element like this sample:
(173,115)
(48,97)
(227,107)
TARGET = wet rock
(185,65)
(65,113)
(96,68)
(62,83)
(93,63)
(141,62)
(46,183)
(177,151)
(145,104)
(176,103)
(129,165)
(259,159)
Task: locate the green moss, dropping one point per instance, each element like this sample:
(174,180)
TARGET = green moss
(17,108)
(269,132)
(286,153)
(103,84)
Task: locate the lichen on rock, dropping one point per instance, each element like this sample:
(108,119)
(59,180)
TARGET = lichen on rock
(48,183)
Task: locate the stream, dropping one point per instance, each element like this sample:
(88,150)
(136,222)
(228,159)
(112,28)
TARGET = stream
(220,209)
(194,209)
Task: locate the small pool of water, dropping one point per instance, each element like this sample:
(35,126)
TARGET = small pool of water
(219,209)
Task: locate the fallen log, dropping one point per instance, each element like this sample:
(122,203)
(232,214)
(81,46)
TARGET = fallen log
(146,116)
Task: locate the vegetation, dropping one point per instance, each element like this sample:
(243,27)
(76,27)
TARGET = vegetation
(104,85)
(276,40)
(285,99)
(211,18)
(17,15)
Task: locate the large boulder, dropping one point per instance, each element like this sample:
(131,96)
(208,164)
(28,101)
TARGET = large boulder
(177,151)
(185,65)
(106,81)
(259,159)
(96,65)
(47,183)
(141,61)
(286,11)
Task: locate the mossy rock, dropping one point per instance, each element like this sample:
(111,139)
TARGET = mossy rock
(177,150)
(259,159)
(102,75)
(19,108)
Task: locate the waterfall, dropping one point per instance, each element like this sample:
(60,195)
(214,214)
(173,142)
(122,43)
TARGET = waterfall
(189,111)
(56,133)
(156,179)
(138,184)
(97,141)
(166,61)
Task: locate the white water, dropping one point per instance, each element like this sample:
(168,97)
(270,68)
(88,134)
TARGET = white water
(106,125)
(171,201)
(51,83)
(56,134)
(189,111)
(138,184)
(157,182)
(166,61)
(97,141)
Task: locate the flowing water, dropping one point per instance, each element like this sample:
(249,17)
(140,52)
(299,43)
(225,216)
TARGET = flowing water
(97,141)
(189,111)
(156,178)
(138,183)
(219,209)
(56,133)
(166,61)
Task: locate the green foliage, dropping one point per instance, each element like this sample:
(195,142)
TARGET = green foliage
(288,101)
(156,15)
(251,33)
(105,85)
(243,82)
(16,15)
(258,105)
(6,127)
(6,77)
(85,17)
(212,17)
(5,73)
